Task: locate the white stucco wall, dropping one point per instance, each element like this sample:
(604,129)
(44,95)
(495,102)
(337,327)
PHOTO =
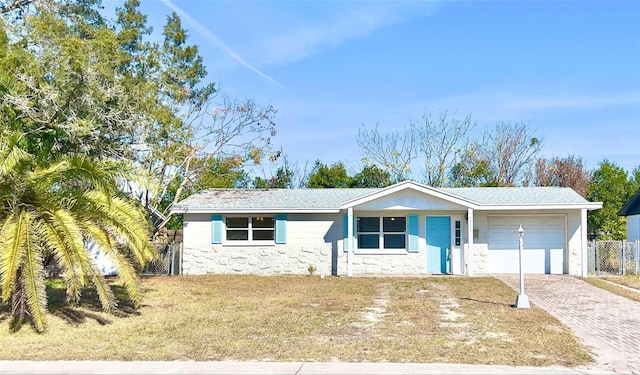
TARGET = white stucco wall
(310,242)
(317,240)
(633,227)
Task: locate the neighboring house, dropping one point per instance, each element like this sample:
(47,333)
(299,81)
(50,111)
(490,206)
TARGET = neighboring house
(632,211)
(404,229)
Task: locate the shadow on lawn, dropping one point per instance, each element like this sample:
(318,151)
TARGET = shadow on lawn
(487,302)
(87,309)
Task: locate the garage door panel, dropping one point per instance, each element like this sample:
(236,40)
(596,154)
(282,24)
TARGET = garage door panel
(544,244)
(507,261)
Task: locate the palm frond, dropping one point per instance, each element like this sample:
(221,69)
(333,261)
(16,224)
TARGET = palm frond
(104,241)
(11,155)
(63,236)
(12,240)
(33,277)
(128,222)
(126,272)
(46,176)
(7,83)
(90,171)
(105,294)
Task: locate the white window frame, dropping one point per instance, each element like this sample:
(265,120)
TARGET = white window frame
(381,249)
(250,229)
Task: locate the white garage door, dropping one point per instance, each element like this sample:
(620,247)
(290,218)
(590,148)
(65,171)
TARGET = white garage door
(544,244)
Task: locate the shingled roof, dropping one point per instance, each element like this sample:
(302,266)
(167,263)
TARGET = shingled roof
(330,200)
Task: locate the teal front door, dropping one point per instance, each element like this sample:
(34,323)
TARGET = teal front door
(438,244)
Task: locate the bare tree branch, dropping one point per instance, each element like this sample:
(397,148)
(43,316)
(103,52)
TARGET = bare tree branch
(438,141)
(511,150)
(6,7)
(393,152)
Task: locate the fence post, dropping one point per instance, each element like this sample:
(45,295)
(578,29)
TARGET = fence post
(595,243)
(173,259)
(622,258)
(180,248)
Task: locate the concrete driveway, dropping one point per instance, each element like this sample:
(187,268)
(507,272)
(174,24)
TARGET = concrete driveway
(606,322)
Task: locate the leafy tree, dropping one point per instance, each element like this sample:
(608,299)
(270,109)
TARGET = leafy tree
(83,81)
(471,169)
(610,185)
(634,180)
(334,176)
(565,172)
(65,84)
(287,176)
(371,176)
(282,180)
(438,140)
(393,152)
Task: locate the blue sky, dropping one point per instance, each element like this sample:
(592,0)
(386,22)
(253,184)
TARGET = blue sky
(568,69)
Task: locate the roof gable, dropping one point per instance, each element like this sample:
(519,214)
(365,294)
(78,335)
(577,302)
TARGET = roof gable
(409,199)
(405,191)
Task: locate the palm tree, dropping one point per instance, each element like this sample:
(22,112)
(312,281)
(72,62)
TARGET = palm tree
(53,208)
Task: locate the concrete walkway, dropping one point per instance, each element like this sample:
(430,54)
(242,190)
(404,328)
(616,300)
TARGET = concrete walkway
(284,368)
(606,322)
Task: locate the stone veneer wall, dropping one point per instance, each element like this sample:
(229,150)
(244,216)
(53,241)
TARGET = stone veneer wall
(252,260)
(480,258)
(384,264)
(295,260)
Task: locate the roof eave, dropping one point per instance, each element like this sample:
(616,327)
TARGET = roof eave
(559,206)
(204,210)
(632,207)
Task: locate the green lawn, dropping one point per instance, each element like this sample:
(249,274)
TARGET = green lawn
(436,319)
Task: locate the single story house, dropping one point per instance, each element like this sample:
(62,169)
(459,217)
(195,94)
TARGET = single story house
(404,229)
(632,211)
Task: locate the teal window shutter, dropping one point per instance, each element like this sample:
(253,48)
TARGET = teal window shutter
(216,228)
(281,229)
(345,236)
(412,231)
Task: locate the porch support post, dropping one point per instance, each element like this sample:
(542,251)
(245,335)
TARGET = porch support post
(583,242)
(470,241)
(350,239)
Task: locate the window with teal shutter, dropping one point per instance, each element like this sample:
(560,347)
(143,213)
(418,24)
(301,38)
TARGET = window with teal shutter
(412,232)
(216,229)
(281,229)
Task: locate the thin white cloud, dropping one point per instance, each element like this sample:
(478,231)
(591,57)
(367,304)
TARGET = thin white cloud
(492,105)
(307,34)
(213,39)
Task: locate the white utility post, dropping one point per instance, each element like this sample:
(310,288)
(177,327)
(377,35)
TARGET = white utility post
(522,300)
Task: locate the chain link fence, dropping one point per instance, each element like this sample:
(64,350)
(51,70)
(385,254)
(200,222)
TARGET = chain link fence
(168,263)
(614,257)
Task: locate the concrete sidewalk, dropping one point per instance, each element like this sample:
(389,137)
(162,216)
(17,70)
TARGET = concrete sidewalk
(286,368)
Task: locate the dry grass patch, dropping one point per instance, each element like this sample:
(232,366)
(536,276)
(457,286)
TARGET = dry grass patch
(438,319)
(612,284)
